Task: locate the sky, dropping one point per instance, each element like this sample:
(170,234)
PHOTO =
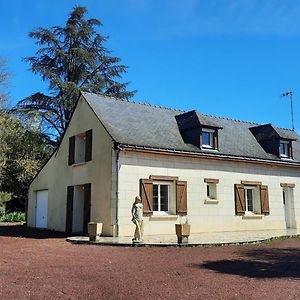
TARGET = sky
(230,58)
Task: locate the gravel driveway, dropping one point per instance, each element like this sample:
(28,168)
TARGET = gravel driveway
(32,267)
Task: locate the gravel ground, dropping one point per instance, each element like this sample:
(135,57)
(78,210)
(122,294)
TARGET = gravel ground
(33,267)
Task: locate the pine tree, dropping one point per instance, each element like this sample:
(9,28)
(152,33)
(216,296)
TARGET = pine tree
(71,58)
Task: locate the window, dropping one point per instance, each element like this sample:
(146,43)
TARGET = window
(208,138)
(251,197)
(80,141)
(161,198)
(163,195)
(211,191)
(284,149)
(80,147)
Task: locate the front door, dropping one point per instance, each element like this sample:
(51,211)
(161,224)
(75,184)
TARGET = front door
(41,216)
(288,207)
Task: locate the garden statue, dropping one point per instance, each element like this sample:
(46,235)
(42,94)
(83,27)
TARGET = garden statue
(137,220)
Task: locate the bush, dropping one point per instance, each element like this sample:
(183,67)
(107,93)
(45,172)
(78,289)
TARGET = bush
(13,217)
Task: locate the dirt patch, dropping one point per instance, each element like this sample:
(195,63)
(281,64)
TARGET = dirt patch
(50,268)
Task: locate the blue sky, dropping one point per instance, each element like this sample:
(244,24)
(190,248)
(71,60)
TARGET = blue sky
(230,58)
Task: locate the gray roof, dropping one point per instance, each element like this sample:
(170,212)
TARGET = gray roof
(141,124)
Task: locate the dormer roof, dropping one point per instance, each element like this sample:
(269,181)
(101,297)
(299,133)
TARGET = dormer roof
(268,132)
(192,119)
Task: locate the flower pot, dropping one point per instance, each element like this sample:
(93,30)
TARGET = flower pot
(182,232)
(94,230)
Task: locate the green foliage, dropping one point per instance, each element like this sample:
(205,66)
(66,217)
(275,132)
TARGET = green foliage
(71,58)
(4,197)
(13,217)
(3,81)
(22,153)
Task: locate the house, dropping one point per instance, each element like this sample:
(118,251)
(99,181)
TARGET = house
(220,174)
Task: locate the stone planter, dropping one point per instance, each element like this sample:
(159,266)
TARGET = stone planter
(94,230)
(182,232)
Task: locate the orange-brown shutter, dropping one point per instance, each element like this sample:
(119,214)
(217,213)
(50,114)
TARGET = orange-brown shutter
(146,194)
(181,198)
(69,208)
(88,145)
(264,200)
(71,150)
(240,205)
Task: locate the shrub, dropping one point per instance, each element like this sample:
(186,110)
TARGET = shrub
(13,217)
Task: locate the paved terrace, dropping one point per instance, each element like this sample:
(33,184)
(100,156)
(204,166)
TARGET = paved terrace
(202,239)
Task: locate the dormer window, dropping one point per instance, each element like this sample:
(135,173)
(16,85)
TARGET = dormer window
(276,141)
(284,149)
(208,138)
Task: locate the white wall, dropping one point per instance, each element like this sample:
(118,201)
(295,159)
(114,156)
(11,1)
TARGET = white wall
(205,217)
(57,175)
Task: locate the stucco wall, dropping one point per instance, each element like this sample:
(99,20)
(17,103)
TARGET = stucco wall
(205,217)
(57,175)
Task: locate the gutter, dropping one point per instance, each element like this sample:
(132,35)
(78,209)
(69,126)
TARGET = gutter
(215,156)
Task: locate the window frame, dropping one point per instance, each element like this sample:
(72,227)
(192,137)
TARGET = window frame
(255,200)
(159,211)
(210,133)
(286,148)
(211,191)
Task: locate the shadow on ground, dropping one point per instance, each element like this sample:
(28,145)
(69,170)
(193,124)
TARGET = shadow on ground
(261,264)
(21,230)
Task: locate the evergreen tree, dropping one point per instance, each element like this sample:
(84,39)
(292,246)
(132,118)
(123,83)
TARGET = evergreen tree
(71,58)
(3,82)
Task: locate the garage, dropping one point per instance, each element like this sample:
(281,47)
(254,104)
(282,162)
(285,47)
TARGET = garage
(41,220)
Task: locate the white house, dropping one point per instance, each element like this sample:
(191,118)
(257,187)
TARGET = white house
(221,174)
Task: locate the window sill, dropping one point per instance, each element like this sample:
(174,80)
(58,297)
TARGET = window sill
(286,158)
(79,164)
(203,148)
(211,201)
(254,216)
(163,218)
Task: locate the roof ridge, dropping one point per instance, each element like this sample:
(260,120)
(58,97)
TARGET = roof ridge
(137,102)
(288,129)
(231,119)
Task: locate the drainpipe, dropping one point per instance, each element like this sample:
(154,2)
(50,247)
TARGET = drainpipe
(117,191)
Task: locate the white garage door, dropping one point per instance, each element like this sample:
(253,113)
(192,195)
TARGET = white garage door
(41,218)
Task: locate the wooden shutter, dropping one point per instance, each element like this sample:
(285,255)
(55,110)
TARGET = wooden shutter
(69,209)
(86,207)
(240,205)
(88,145)
(181,198)
(264,200)
(71,150)
(290,149)
(146,194)
(200,138)
(216,140)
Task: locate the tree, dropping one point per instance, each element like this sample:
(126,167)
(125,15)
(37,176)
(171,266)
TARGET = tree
(23,152)
(71,58)
(3,82)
